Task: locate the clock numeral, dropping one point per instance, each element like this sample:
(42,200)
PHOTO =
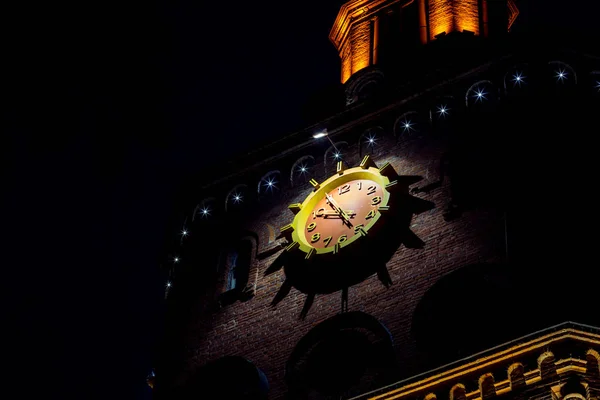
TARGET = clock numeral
(327,240)
(358,228)
(318,213)
(370,215)
(375,200)
(371,189)
(343,189)
(315,237)
(311,227)
(359,184)
(342,238)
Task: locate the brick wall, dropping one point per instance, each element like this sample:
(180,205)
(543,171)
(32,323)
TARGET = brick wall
(266,335)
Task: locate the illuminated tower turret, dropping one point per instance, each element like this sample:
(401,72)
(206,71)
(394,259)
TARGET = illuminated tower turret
(374,32)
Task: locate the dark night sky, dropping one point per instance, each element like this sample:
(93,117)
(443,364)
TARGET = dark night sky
(110,108)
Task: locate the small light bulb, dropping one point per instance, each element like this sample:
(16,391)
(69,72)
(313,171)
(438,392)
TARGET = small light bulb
(337,155)
(168,284)
(176,259)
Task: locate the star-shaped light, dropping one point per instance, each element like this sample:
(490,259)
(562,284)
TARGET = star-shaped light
(479,95)
(598,86)
(407,125)
(168,284)
(270,184)
(205,211)
(302,169)
(371,140)
(176,259)
(184,233)
(237,198)
(561,75)
(518,78)
(336,155)
(442,110)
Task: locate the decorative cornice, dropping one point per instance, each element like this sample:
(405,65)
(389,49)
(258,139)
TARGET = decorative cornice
(353,11)
(513,13)
(512,355)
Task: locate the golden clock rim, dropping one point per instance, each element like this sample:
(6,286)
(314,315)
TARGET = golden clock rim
(329,184)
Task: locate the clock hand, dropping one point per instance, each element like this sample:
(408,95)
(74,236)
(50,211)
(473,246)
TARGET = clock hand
(338,209)
(326,213)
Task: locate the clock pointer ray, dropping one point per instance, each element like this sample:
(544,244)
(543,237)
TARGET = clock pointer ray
(328,213)
(338,209)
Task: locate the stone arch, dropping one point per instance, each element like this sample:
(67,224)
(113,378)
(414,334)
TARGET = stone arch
(516,376)
(480,92)
(516,78)
(205,208)
(406,123)
(558,66)
(269,182)
(236,194)
(443,107)
(546,364)
(458,392)
(337,353)
(363,85)
(487,386)
(303,162)
(340,148)
(442,113)
(592,369)
(368,139)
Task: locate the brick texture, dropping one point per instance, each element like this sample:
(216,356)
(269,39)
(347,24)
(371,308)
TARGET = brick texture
(266,335)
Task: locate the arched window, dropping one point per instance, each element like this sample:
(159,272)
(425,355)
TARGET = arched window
(407,124)
(301,170)
(481,96)
(234,270)
(237,197)
(336,152)
(442,114)
(368,140)
(517,80)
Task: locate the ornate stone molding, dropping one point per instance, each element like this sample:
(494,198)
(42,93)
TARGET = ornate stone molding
(567,351)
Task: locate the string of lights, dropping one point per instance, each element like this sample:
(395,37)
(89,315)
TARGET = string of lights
(561,73)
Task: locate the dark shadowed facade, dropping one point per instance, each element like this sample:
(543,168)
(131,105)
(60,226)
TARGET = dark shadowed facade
(475,279)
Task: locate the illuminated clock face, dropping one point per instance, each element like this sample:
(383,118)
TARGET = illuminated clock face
(343,212)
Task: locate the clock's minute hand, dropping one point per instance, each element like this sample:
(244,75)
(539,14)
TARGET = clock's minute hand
(338,209)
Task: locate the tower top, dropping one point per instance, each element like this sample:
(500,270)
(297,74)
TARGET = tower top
(367,31)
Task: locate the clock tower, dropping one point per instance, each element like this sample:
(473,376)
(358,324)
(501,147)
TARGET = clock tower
(431,240)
